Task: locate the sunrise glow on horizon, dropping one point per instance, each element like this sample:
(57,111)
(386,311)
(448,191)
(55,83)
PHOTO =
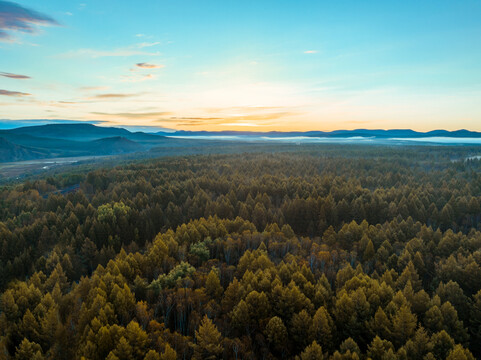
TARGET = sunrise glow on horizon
(249,66)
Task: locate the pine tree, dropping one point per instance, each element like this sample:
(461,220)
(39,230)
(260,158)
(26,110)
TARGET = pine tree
(28,351)
(380,324)
(169,353)
(30,326)
(208,341)
(322,328)
(276,333)
(240,316)
(137,337)
(460,353)
(442,344)
(378,348)
(213,286)
(152,355)
(299,329)
(123,350)
(313,352)
(404,324)
(419,345)
(475,322)
(369,252)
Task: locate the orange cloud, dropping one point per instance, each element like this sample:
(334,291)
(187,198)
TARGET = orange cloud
(112,96)
(253,119)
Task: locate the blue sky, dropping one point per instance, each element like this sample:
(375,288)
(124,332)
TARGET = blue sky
(243,65)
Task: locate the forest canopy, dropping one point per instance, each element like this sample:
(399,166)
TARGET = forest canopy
(339,252)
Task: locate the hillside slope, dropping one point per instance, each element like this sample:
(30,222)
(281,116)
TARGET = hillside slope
(115,145)
(71,131)
(12,152)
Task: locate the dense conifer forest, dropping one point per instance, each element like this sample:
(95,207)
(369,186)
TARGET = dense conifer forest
(322,252)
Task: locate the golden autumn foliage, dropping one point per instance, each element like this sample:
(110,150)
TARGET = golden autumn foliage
(362,254)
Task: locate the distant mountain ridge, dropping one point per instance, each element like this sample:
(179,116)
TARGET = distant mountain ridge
(68,140)
(378,133)
(70,131)
(90,131)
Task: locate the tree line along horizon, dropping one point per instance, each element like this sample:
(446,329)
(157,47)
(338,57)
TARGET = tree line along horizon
(325,252)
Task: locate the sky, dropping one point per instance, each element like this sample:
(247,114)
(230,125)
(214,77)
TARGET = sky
(246,65)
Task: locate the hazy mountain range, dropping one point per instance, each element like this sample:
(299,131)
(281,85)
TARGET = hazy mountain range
(395,133)
(65,140)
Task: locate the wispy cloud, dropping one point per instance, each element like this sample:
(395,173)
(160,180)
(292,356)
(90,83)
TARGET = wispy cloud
(147,44)
(359,122)
(230,119)
(134,115)
(149,66)
(93,88)
(14,76)
(131,50)
(120,52)
(16,18)
(248,109)
(258,117)
(13,93)
(311,52)
(194,119)
(242,124)
(135,78)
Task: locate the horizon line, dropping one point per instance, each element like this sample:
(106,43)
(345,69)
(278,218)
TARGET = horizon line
(100,123)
